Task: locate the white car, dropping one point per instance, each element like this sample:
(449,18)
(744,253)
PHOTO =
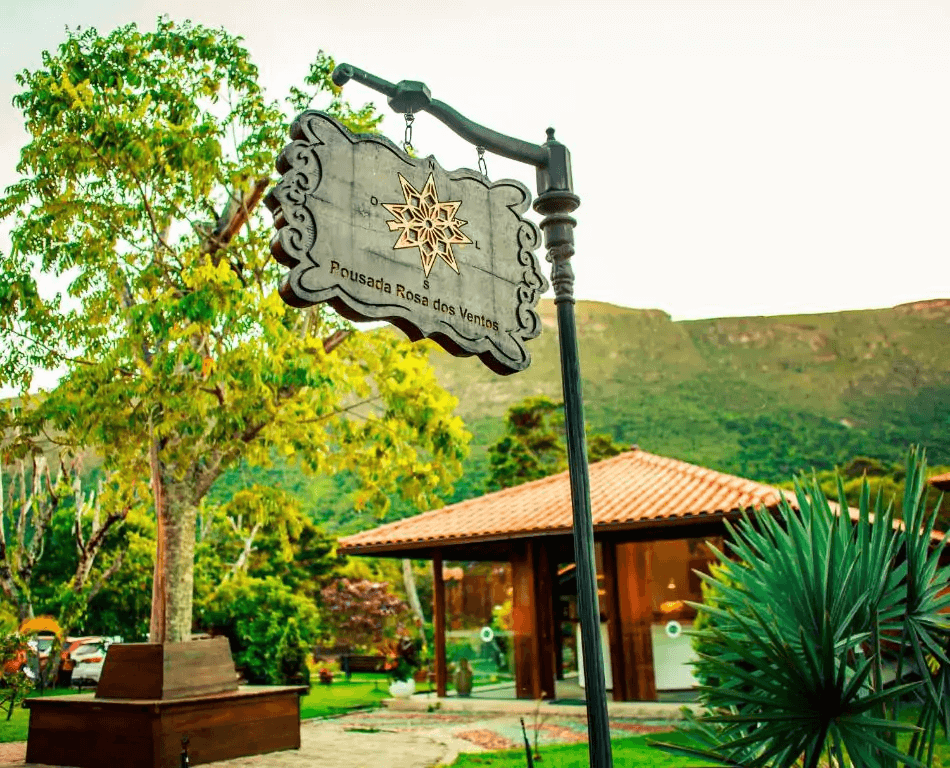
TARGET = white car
(88,655)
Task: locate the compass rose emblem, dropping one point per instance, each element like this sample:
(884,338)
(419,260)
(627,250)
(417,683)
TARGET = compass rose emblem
(427,224)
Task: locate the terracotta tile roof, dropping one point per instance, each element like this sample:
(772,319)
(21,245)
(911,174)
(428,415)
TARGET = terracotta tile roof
(633,489)
(941,481)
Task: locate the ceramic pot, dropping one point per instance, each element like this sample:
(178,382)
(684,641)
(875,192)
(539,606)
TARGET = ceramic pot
(402,689)
(463,678)
(421,675)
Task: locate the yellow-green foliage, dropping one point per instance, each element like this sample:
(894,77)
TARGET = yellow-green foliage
(140,189)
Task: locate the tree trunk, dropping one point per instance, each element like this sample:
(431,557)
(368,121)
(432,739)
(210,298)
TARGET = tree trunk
(179,534)
(25,610)
(409,581)
(156,624)
(173,582)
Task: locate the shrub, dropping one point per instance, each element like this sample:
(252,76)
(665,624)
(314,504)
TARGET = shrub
(292,654)
(361,613)
(14,684)
(802,623)
(267,624)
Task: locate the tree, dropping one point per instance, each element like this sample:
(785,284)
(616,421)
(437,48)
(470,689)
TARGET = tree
(43,519)
(139,202)
(804,620)
(533,444)
(123,605)
(288,548)
(888,479)
(262,533)
(362,612)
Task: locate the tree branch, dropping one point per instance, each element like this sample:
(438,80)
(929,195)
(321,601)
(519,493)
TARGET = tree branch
(335,339)
(235,215)
(107,574)
(339,411)
(98,535)
(219,395)
(241,563)
(61,355)
(205,479)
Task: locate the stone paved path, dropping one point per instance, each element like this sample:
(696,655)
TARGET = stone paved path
(383,738)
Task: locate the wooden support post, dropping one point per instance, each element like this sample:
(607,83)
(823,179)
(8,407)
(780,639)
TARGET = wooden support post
(544,600)
(635,613)
(533,620)
(614,629)
(438,624)
(557,617)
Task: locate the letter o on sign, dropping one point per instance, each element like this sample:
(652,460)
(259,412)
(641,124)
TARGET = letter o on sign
(673,629)
(487,634)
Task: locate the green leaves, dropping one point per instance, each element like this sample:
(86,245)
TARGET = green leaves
(254,615)
(533,444)
(802,625)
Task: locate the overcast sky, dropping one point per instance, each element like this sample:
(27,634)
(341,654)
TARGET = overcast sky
(733,158)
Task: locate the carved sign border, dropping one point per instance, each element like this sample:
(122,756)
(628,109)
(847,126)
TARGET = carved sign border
(295,245)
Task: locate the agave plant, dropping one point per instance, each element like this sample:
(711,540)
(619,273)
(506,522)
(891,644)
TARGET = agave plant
(823,626)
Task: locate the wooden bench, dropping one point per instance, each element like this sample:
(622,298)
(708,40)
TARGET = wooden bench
(364,663)
(87,732)
(153,695)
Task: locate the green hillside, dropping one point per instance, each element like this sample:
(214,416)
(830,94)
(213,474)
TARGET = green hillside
(762,397)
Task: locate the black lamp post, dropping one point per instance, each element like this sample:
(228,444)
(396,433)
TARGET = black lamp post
(555,202)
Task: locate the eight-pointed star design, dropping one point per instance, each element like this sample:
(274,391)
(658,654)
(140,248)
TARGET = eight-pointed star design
(427,224)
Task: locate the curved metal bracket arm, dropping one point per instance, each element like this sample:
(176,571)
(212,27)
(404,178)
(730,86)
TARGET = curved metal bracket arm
(413,96)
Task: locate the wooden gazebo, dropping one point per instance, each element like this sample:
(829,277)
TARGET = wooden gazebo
(941,482)
(637,498)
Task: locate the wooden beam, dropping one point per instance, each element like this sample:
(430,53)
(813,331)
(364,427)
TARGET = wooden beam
(523,623)
(614,629)
(438,624)
(556,616)
(635,610)
(532,616)
(544,607)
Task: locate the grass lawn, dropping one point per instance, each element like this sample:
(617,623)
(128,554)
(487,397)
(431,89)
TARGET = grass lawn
(362,690)
(628,752)
(631,752)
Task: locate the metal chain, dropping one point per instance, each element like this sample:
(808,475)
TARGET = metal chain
(407,139)
(482,165)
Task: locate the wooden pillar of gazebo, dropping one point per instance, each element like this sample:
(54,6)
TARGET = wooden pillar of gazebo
(533,620)
(629,620)
(556,617)
(438,624)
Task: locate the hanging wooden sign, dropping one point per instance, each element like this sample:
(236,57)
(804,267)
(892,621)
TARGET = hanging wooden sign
(384,236)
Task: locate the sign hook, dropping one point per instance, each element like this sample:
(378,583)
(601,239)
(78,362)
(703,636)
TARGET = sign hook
(407,138)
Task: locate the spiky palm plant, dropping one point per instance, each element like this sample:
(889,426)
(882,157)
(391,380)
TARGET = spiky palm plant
(809,607)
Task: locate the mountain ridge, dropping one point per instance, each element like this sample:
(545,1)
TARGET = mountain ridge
(761,396)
